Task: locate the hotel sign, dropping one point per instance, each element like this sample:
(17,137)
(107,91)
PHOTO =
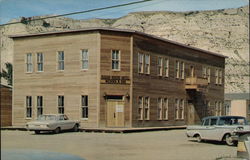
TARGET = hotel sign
(115,79)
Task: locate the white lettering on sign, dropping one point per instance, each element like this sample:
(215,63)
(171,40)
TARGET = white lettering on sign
(119,108)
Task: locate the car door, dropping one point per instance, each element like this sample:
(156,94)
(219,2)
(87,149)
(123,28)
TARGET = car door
(68,123)
(212,129)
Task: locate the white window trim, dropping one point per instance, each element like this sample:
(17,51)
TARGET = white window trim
(26,62)
(81,58)
(37,62)
(119,60)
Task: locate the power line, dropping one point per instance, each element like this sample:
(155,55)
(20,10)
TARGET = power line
(80,12)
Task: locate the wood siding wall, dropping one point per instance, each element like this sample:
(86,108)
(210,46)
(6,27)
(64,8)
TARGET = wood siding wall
(72,82)
(155,86)
(6,106)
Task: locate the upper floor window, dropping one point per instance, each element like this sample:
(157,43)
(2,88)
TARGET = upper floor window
(159,66)
(115,60)
(166,67)
(39,62)
(208,75)
(29,66)
(220,77)
(177,69)
(85,59)
(147,64)
(140,62)
(182,66)
(39,105)
(60,60)
(84,107)
(28,106)
(61,104)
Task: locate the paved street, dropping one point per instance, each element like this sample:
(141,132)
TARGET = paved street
(158,145)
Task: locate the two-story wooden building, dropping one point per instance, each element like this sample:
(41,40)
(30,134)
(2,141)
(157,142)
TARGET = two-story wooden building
(108,77)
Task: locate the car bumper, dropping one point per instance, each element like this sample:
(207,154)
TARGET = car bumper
(39,128)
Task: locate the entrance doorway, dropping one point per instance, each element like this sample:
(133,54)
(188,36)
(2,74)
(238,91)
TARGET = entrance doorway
(115,113)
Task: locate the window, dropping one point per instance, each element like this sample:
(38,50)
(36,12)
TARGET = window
(85,59)
(147,64)
(177,108)
(204,72)
(208,75)
(140,108)
(182,70)
(159,66)
(60,60)
(220,108)
(159,108)
(115,60)
(216,108)
(220,77)
(140,62)
(39,105)
(146,108)
(181,109)
(216,76)
(61,104)
(213,121)
(39,62)
(29,67)
(165,108)
(206,122)
(177,69)
(166,67)
(84,107)
(28,106)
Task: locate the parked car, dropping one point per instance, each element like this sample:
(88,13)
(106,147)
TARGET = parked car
(52,122)
(217,128)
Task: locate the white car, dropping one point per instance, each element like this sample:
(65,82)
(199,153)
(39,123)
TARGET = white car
(217,128)
(52,122)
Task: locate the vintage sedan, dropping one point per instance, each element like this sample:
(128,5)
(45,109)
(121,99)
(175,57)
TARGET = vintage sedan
(52,122)
(217,128)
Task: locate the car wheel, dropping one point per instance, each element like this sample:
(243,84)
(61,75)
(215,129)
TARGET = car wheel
(37,132)
(76,128)
(229,141)
(198,138)
(57,130)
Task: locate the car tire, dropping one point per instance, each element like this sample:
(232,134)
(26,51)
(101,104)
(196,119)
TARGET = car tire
(57,130)
(37,132)
(198,138)
(229,141)
(75,128)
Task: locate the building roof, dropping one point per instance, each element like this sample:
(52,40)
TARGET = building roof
(237,96)
(117,30)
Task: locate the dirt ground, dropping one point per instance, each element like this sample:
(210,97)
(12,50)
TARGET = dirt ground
(157,145)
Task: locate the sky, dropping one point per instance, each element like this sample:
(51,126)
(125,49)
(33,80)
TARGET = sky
(11,9)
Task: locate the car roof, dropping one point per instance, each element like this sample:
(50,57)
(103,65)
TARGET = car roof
(223,117)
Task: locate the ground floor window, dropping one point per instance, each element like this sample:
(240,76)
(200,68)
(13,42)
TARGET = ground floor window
(181,108)
(61,104)
(165,108)
(159,108)
(39,105)
(28,106)
(140,108)
(146,108)
(84,107)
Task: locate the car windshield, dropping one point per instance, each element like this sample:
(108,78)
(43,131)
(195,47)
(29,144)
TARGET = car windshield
(232,121)
(46,117)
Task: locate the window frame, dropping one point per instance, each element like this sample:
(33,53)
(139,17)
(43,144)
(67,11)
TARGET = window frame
(39,61)
(84,59)
(116,60)
(165,108)
(147,65)
(28,106)
(177,69)
(84,107)
(182,109)
(159,108)
(177,105)
(140,107)
(146,106)
(140,63)
(61,106)
(159,66)
(166,67)
(29,63)
(182,70)
(39,107)
(59,61)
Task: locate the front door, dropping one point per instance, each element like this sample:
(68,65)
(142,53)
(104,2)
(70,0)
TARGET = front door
(115,113)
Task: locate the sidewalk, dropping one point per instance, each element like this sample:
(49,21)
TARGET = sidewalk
(109,130)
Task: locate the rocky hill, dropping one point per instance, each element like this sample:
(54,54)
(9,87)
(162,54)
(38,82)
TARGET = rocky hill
(221,31)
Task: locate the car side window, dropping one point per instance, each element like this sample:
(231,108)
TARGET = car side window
(61,118)
(206,122)
(213,121)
